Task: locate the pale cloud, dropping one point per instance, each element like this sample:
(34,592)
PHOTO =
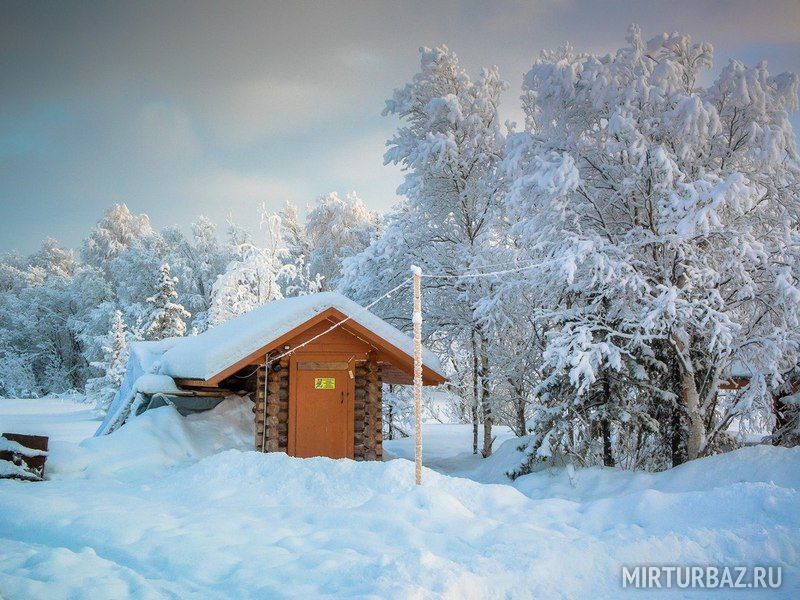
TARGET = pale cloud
(253,109)
(243,190)
(366,59)
(182,109)
(166,133)
(360,162)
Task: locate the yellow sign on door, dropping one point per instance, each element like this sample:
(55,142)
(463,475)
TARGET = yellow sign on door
(324,383)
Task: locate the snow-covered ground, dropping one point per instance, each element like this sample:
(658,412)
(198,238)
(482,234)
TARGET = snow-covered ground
(448,449)
(180,508)
(60,419)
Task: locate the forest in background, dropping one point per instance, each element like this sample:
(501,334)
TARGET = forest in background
(592,276)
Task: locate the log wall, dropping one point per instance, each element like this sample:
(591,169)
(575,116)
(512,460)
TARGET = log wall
(277,409)
(368,403)
(258,407)
(368,443)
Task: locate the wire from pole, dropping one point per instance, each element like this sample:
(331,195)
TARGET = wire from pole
(475,275)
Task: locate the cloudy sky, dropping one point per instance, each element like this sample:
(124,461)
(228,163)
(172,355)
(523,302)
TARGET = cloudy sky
(179,109)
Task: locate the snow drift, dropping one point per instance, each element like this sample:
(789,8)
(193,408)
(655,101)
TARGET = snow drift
(142,362)
(174,507)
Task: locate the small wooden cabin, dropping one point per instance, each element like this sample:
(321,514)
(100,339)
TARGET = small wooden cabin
(316,388)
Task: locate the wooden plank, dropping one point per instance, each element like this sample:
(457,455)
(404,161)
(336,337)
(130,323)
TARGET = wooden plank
(192,383)
(321,366)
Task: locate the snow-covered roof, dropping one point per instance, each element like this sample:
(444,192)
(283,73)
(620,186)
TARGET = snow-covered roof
(205,355)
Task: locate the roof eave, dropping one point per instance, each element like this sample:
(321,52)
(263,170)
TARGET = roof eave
(401,358)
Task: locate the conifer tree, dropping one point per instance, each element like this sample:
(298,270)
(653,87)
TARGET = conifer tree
(167,317)
(115,355)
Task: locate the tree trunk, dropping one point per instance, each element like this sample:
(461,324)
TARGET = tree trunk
(678,441)
(608,456)
(605,424)
(474,429)
(521,422)
(486,403)
(781,414)
(474,394)
(786,431)
(696,428)
(674,415)
(690,396)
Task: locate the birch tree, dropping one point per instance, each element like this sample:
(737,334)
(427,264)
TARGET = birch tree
(449,145)
(336,228)
(664,216)
(252,278)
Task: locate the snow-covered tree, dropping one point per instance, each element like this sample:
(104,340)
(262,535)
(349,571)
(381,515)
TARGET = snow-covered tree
(664,217)
(294,232)
(39,312)
(336,228)
(517,345)
(17,378)
(54,260)
(786,413)
(398,412)
(197,261)
(115,355)
(167,315)
(252,278)
(449,146)
(116,232)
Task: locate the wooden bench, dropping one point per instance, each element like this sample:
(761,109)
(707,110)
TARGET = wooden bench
(26,452)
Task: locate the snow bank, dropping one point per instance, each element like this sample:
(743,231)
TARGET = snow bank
(143,361)
(203,356)
(754,464)
(447,448)
(174,507)
(154,384)
(157,440)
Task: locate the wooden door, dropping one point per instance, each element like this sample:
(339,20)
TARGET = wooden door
(323,412)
